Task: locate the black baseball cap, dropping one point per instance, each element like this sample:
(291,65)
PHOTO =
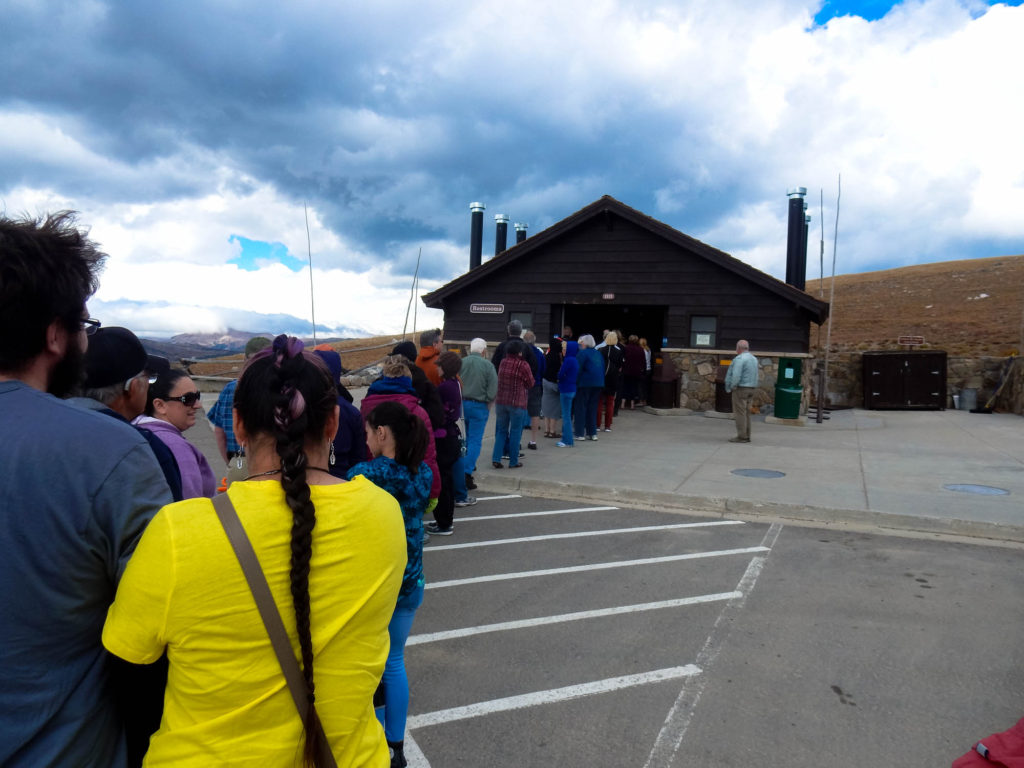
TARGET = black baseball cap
(116,355)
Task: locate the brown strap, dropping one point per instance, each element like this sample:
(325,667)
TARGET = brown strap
(254,575)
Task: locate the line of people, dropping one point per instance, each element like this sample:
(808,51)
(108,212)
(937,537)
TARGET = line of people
(131,634)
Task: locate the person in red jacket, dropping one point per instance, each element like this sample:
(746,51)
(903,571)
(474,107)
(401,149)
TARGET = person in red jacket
(395,384)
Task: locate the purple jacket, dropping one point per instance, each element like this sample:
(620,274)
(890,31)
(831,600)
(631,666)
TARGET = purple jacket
(197,478)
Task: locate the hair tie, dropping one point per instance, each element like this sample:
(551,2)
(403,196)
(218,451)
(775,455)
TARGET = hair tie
(285,348)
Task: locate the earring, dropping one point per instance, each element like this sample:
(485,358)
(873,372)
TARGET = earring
(331,458)
(238,457)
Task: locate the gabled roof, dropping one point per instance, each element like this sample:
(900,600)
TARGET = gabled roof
(818,310)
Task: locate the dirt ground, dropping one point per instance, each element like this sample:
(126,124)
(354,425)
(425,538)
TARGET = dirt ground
(972,307)
(355,354)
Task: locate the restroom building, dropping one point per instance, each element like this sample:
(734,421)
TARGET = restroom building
(611,266)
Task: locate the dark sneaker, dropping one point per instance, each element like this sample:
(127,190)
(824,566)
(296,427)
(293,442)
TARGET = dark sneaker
(469,501)
(532,446)
(470,484)
(435,530)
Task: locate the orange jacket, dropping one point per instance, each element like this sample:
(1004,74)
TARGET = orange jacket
(427,361)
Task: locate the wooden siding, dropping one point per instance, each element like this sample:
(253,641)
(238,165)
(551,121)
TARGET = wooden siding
(609,254)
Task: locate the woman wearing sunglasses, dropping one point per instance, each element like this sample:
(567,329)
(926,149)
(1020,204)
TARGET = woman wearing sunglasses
(170,410)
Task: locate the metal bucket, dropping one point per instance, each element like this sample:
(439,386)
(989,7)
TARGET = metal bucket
(968,399)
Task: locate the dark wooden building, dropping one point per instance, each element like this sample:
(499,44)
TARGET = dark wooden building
(611,266)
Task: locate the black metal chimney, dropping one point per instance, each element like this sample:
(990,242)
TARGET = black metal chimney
(500,233)
(476,234)
(796,241)
(520,231)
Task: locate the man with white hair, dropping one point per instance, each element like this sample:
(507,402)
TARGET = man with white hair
(741,380)
(479,388)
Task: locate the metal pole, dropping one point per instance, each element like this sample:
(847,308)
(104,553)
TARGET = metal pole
(309,253)
(832,294)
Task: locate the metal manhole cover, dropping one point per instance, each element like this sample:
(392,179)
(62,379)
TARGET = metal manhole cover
(983,490)
(758,473)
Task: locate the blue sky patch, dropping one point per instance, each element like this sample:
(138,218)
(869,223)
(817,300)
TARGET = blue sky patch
(257,253)
(872,10)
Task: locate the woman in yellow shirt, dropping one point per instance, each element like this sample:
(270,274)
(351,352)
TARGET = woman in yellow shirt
(333,554)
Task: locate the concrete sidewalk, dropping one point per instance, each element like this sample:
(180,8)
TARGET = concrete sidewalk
(886,469)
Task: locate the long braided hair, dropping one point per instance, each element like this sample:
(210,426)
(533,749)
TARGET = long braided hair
(289,394)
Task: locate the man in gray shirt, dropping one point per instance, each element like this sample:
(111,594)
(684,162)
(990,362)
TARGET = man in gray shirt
(78,488)
(742,380)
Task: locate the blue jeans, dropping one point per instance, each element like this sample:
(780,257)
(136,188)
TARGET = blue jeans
(509,423)
(396,682)
(476,415)
(585,410)
(566,398)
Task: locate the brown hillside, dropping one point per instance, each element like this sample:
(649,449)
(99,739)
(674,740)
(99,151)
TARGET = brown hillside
(971,307)
(355,354)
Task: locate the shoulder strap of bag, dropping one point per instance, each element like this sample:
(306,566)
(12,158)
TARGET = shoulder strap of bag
(254,575)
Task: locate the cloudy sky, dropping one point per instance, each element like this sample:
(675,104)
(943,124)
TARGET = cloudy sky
(196,137)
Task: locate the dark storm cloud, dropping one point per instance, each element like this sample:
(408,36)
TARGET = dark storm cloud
(390,118)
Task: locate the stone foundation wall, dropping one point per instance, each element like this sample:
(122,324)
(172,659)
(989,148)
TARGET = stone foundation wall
(845,374)
(697,372)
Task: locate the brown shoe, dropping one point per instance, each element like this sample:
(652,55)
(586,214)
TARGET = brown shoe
(739,440)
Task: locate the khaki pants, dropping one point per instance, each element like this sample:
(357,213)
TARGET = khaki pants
(742,397)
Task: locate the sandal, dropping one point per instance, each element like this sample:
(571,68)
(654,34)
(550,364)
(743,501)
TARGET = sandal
(497,465)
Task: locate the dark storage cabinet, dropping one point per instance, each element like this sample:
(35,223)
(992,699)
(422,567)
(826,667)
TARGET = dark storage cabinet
(905,380)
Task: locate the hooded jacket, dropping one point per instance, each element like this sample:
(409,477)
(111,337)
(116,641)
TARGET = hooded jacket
(570,369)
(426,361)
(400,390)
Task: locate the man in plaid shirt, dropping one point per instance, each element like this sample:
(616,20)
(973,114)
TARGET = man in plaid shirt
(514,382)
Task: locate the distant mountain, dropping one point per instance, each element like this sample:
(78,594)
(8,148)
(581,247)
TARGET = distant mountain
(198,346)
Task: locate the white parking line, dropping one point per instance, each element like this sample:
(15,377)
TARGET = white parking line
(593,567)
(677,722)
(579,535)
(499,498)
(535,514)
(552,696)
(452,634)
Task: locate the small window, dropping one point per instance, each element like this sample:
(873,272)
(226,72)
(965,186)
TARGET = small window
(526,318)
(703,330)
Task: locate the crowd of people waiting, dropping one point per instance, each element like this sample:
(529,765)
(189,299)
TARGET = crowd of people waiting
(144,606)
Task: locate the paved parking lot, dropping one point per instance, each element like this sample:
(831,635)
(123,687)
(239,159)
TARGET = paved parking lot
(589,635)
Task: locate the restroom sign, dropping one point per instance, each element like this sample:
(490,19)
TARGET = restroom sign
(487,309)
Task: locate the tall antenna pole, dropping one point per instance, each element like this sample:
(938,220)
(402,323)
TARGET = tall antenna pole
(309,253)
(412,295)
(832,293)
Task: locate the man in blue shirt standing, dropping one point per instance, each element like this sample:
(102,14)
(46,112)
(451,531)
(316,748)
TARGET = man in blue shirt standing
(741,380)
(77,490)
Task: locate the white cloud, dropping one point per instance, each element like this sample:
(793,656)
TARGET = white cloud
(700,113)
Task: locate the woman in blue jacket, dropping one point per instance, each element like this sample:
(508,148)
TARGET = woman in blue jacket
(589,384)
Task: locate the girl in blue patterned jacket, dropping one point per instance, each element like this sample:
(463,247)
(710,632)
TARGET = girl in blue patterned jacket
(397,440)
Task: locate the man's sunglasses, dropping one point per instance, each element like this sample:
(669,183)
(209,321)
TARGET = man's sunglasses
(188,399)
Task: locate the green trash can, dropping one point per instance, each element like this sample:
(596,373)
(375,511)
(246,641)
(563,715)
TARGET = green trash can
(787,402)
(790,372)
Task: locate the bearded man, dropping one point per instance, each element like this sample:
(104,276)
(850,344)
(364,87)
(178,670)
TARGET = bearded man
(77,490)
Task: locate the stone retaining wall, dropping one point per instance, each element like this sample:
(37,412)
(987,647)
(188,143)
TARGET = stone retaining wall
(697,379)
(697,371)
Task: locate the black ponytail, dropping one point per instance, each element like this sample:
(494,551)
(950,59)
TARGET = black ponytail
(289,395)
(411,436)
